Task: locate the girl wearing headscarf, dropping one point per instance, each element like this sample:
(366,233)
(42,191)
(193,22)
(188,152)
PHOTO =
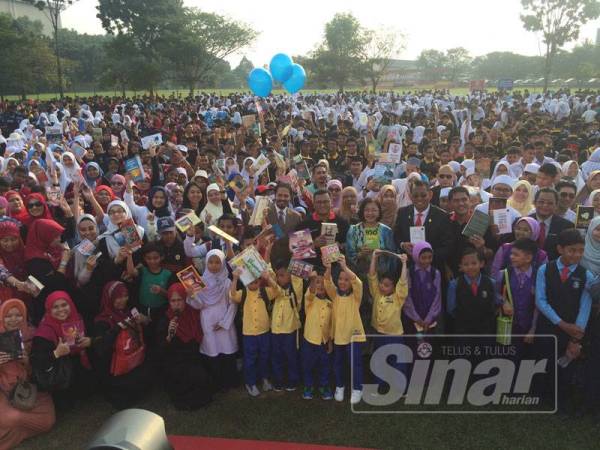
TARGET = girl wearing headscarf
(70,166)
(92,174)
(104,195)
(594,200)
(591,165)
(112,241)
(17,425)
(215,206)
(591,184)
(424,301)
(348,209)
(248,162)
(37,207)
(334,187)
(522,198)
(175,195)
(157,204)
(502,168)
(8,167)
(59,348)
(16,207)
(12,260)
(186,380)
(219,344)
(387,201)
(570,170)
(523,228)
(119,348)
(591,253)
(117,184)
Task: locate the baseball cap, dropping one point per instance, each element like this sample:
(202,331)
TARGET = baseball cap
(165,224)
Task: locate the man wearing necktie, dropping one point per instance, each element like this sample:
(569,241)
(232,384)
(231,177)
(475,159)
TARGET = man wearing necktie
(551,225)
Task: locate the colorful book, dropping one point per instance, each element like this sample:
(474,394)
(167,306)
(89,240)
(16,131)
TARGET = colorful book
(135,168)
(259,211)
(130,232)
(372,237)
(222,234)
(97,134)
(86,247)
(417,234)
(114,140)
(153,139)
(330,253)
(502,220)
(300,268)
(301,244)
(11,343)
(72,332)
(585,214)
(261,163)
(35,285)
(497,203)
(191,279)
(329,230)
(187,221)
(250,264)
(302,169)
(54,134)
(248,121)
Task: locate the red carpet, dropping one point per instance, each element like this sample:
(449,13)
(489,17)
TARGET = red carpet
(195,443)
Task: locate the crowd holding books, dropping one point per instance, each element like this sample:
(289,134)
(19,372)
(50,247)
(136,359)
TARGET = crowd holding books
(212,243)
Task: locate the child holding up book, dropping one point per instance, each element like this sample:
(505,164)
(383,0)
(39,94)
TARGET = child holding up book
(472,301)
(317,343)
(347,326)
(388,298)
(562,295)
(256,326)
(285,323)
(424,301)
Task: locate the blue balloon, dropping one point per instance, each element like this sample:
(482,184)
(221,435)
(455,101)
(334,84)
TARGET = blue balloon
(296,81)
(260,82)
(281,67)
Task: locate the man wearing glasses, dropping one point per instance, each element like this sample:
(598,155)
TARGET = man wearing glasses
(445,179)
(567,190)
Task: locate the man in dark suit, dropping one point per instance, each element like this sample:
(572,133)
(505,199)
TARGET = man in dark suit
(438,229)
(546,206)
(284,219)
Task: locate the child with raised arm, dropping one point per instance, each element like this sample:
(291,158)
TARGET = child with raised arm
(347,326)
(256,325)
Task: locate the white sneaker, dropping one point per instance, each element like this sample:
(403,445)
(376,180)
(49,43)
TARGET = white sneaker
(356,396)
(339,394)
(252,390)
(267,386)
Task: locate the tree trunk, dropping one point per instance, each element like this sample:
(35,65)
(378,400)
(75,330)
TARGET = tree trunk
(58,63)
(191,90)
(374,85)
(547,67)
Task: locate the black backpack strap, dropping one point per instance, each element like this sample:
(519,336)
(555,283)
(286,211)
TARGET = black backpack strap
(265,297)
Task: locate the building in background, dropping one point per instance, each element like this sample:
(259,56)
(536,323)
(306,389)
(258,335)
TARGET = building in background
(400,72)
(16,9)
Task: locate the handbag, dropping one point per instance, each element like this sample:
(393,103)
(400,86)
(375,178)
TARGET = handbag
(23,395)
(129,352)
(504,323)
(57,377)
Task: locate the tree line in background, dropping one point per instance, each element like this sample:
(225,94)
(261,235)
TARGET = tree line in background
(154,44)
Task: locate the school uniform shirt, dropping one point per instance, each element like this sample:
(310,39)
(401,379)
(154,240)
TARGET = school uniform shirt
(569,215)
(285,317)
(317,325)
(255,318)
(346,321)
(541,296)
(387,308)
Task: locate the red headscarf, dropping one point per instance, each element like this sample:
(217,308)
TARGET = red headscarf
(188,327)
(40,235)
(13,261)
(45,215)
(23,215)
(108,313)
(12,371)
(108,189)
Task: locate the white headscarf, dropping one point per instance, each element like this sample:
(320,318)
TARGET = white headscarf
(111,229)
(578,179)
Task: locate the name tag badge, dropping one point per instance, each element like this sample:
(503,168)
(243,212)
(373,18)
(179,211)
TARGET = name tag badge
(484,294)
(576,284)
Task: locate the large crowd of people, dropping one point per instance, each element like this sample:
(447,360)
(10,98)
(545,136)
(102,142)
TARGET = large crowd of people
(397,181)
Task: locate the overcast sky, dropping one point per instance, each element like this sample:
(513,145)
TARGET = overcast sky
(481,26)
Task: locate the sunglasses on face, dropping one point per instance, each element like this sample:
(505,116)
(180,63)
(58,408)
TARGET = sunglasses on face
(445,176)
(567,195)
(34,205)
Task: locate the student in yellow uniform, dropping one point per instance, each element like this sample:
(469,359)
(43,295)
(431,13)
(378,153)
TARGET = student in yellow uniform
(285,323)
(317,342)
(347,326)
(388,299)
(255,330)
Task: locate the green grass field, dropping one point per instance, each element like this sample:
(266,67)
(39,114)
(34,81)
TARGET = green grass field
(287,417)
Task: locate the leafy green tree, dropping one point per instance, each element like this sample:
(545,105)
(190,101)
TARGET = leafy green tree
(339,57)
(53,9)
(432,64)
(381,48)
(507,65)
(559,21)
(458,62)
(197,49)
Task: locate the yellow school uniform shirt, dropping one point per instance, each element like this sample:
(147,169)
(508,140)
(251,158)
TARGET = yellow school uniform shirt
(387,308)
(255,318)
(317,325)
(346,321)
(285,317)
